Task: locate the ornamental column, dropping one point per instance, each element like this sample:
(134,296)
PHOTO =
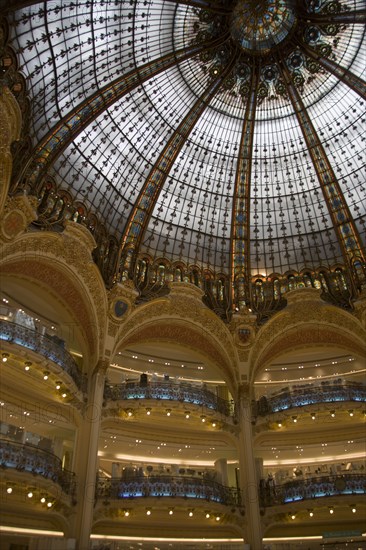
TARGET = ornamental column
(248,475)
(86,456)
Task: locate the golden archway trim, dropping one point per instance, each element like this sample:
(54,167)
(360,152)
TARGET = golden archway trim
(62,263)
(10,128)
(183,318)
(306,321)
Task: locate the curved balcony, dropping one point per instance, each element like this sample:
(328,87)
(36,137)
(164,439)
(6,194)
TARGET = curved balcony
(311,395)
(28,458)
(170,391)
(42,344)
(313,488)
(168,486)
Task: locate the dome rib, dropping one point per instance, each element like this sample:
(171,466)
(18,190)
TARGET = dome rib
(355,17)
(346,231)
(69,127)
(202,4)
(344,75)
(240,234)
(142,210)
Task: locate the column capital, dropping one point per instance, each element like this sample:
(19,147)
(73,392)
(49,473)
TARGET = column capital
(244,391)
(102,366)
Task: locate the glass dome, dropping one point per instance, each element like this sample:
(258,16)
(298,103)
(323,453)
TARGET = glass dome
(223,135)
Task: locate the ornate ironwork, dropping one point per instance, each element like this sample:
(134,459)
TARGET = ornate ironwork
(169,391)
(312,488)
(344,75)
(168,486)
(29,458)
(44,345)
(310,395)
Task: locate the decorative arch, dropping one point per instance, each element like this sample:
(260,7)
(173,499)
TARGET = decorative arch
(62,265)
(307,320)
(183,318)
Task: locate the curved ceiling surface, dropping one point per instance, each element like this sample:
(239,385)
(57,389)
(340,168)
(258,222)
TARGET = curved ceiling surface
(223,147)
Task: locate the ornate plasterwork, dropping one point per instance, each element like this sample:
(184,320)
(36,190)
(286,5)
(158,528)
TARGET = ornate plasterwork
(121,302)
(19,212)
(183,315)
(360,308)
(243,328)
(307,321)
(64,264)
(10,128)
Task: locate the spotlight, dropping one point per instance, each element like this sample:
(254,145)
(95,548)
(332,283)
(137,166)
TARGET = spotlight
(311,513)
(168,412)
(312,416)
(190,513)
(294,419)
(350,412)
(279,424)
(49,504)
(331,510)
(188,414)
(148,411)
(171,512)
(45,375)
(354,509)
(30,494)
(58,385)
(293,516)
(332,414)
(129,412)
(126,513)
(203,418)
(148,512)
(43,500)
(217,518)
(9,490)
(28,365)
(207,515)
(5,357)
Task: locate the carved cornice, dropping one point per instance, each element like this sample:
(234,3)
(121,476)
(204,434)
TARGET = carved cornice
(80,233)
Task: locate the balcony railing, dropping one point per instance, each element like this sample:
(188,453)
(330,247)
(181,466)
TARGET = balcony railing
(315,487)
(170,391)
(324,393)
(29,458)
(167,486)
(42,344)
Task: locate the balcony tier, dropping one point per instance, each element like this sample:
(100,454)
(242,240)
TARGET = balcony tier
(45,345)
(169,391)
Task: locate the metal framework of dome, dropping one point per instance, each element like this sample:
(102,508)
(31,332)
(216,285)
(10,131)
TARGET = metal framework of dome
(214,142)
